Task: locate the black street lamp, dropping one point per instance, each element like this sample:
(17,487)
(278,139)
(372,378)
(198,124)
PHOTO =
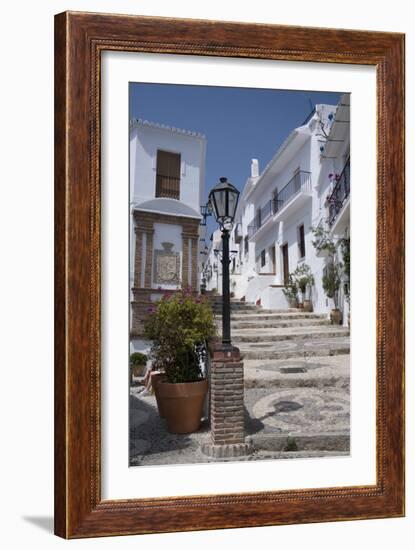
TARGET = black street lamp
(223,200)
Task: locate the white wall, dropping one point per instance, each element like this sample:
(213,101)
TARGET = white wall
(27,405)
(213,263)
(145,141)
(302,152)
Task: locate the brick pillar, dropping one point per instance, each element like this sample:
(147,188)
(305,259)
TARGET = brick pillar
(149,259)
(195,254)
(226,404)
(185,260)
(138,257)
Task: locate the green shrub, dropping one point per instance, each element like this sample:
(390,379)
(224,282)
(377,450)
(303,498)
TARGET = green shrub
(331,281)
(322,240)
(290,290)
(138,359)
(179,326)
(291,445)
(138,362)
(304,278)
(345,248)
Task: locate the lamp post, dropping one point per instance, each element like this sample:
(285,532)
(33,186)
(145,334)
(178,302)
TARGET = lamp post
(223,200)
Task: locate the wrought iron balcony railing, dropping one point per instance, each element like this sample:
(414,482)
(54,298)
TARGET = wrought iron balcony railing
(339,194)
(301,181)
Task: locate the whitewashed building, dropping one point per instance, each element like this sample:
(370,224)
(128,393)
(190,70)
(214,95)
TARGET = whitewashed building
(279,206)
(167,172)
(212,265)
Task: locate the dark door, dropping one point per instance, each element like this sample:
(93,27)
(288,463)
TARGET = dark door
(285,264)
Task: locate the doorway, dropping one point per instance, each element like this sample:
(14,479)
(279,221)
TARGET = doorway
(273,260)
(285,264)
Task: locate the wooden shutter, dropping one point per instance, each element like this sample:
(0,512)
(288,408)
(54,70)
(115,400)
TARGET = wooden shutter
(168,175)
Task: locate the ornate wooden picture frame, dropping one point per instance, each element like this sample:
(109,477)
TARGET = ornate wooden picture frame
(80,38)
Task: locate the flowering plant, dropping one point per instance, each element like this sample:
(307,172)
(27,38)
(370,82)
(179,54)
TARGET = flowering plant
(179,326)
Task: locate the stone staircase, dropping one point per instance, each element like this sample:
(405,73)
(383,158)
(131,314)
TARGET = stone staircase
(282,334)
(296,377)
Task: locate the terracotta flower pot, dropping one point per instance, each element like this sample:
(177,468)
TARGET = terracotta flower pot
(336,316)
(183,405)
(138,370)
(156,378)
(308,305)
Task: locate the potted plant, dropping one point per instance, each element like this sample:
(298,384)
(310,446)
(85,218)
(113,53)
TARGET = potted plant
(345,248)
(290,291)
(179,327)
(138,362)
(331,283)
(305,280)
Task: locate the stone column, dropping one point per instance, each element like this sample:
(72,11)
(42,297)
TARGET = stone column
(226,404)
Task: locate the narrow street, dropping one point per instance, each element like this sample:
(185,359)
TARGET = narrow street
(296,369)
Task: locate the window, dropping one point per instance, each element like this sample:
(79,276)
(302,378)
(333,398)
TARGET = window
(285,263)
(262,258)
(168,175)
(301,242)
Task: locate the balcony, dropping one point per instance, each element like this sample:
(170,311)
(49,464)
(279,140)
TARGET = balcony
(299,185)
(266,212)
(338,198)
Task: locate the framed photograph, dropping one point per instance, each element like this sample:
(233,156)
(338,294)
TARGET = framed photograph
(229,275)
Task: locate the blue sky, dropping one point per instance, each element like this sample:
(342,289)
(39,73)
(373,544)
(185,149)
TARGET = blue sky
(239,123)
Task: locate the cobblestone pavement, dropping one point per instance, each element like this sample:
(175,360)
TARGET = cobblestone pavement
(280,422)
(297,380)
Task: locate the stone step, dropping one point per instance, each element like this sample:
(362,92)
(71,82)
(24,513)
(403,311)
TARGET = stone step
(263,454)
(276,316)
(314,372)
(333,443)
(256,311)
(241,325)
(259,335)
(244,305)
(234,303)
(237,308)
(296,348)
